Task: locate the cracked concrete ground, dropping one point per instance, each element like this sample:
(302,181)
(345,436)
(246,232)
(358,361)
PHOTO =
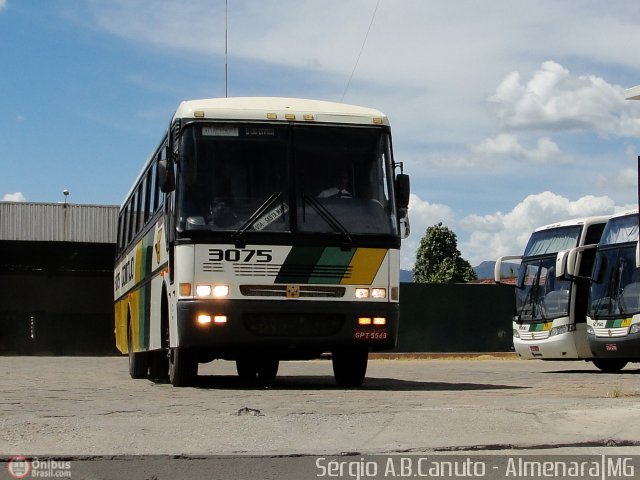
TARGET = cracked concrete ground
(89,406)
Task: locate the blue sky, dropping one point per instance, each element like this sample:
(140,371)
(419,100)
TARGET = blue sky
(507,114)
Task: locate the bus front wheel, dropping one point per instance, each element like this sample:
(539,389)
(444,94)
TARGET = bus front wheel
(609,365)
(350,366)
(183,367)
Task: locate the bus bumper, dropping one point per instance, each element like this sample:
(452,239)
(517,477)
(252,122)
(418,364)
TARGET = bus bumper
(627,347)
(294,328)
(558,347)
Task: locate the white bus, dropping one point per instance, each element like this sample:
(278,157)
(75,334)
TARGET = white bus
(613,321)
(549,322)
(261,230)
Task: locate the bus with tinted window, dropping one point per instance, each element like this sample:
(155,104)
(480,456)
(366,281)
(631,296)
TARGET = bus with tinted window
(262,230)
(613,322)
(550,306)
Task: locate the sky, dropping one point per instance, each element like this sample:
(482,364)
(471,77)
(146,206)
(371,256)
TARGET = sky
(507,114)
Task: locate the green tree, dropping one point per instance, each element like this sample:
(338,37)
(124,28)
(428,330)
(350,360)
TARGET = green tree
(438,259)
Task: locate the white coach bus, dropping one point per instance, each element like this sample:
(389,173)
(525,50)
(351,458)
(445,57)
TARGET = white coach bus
(613,321)
(549,321)
(260,230)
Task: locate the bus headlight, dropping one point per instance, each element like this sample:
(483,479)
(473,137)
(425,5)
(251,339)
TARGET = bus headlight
(635,328)
(590,330)
(215,290)
(378,292)
(362,293)
(516,333)
(220,290)
(203,290)
(562,329)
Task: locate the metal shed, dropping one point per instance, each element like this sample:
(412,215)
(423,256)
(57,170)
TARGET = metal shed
(56,278)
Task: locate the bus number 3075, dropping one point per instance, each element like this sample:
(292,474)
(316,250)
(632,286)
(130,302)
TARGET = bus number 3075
(236,255)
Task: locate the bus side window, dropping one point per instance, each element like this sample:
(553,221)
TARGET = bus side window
(132,216)
(594,233)
(125,226)
(147,196)
(153,189)
(140,206)
(121,231)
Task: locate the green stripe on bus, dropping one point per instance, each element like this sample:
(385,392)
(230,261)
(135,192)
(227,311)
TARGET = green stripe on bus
(299,265)
(332,265)
(147,254)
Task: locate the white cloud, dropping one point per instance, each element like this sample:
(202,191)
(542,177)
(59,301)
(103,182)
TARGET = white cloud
(14,197)
(492,236)
(554,99)
(3,4)
(507,145)
(422,214)
(625,179)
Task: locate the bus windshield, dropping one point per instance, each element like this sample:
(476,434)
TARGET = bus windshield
(542,297)
(553,240)
(250,178)
(615,290)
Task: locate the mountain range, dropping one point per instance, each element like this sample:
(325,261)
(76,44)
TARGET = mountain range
(484,270)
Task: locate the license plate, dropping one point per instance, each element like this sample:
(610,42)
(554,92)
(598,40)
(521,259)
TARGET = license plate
(534,348)
(611,347)
(370,335)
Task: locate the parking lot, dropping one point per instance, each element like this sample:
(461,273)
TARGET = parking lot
(90,406)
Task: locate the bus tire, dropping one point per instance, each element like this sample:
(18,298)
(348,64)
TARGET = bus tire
(609,365)
(183,367)
(350,366)
(159,365)
(138,361)
(247,369)
(268,369)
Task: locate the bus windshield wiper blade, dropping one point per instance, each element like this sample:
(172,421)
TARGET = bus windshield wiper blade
(328,217)
(261,210)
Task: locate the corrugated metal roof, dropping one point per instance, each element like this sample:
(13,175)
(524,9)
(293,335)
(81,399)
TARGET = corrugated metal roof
(57,222)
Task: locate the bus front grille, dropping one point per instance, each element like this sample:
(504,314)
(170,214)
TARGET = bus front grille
(293,324)
(305,291)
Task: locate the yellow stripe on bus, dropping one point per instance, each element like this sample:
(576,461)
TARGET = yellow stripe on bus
(364,266)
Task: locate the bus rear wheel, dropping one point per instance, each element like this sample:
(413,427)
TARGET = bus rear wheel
(350,366)
(183,367)
(609,365)
(138,361)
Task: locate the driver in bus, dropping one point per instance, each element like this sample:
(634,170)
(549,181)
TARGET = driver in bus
(339,188)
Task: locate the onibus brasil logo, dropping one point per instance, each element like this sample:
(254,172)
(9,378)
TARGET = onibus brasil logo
(20,466)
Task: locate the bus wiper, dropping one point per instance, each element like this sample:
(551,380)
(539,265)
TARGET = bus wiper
(328,217)
(598,309)
(618,288)
(261,210)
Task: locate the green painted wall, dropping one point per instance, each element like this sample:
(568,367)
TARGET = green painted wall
(455,318)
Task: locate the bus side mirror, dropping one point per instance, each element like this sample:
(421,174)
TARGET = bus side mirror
(166,178)
(403,189)
(568,263)
(562,264)
(637,254)
(497,268)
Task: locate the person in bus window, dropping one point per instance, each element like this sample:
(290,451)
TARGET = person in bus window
(339,188)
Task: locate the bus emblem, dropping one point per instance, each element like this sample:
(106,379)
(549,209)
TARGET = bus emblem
(293,291)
